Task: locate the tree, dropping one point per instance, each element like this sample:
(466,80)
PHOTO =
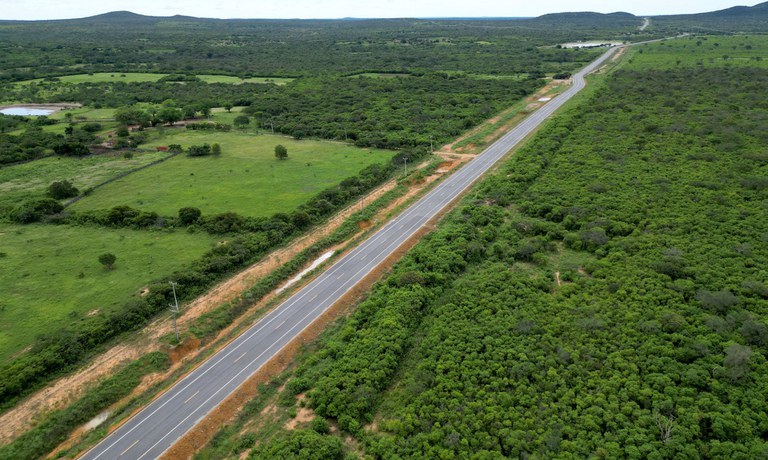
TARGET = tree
(241,121)
(169,115)
(71,149)
(215,149)
(60,190)
(199,150)
(107,260)
(736,361)
(131,115)
(228,106)
(189,215)
(281,153)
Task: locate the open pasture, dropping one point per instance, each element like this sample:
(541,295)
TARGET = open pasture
(701,52)
(30,180)
(51,275)
(246,178)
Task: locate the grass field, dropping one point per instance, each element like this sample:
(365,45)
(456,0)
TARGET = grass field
(85,114)
(712,51)
(51,276)
(246,178)
(30,180)
(137,77)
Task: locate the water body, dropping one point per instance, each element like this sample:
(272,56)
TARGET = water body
(26,111)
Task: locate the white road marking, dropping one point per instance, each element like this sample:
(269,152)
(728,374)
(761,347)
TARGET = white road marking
(129,447)
(198,391)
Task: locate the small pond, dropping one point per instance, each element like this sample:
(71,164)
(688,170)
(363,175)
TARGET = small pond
(26,111)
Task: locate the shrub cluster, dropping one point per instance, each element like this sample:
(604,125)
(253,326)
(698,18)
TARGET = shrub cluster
(203,126)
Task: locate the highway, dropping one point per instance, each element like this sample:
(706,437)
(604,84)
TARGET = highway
(157,427)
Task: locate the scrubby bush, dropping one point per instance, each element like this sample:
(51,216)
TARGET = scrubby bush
(60,190)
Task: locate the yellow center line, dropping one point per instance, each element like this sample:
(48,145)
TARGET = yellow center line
(187,400)
(129,447)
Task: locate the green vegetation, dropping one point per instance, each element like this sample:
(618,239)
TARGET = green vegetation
(730,20)
(247,48)
(387,112)
(247,240)
(706,51)
(245,178)
(31,180)
(52,276)
(59,424)
(604,295)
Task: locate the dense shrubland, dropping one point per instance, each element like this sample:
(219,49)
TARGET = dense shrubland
(386,112)
(284,48)
(650,341)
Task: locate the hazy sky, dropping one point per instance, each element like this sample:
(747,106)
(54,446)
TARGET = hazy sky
(60,9)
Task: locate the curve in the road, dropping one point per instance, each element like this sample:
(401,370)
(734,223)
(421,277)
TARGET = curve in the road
(156,428)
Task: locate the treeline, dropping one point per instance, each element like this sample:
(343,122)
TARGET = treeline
(251,238)
(604,295)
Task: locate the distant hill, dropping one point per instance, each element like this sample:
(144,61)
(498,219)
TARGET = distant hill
(734,19)
(760,9)
(587,20)
(128,16)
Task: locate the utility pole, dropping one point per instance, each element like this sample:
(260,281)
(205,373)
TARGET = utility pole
(431,149)
(175,310)
(405,165)
(272,125)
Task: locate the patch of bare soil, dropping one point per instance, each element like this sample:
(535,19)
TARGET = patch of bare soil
(557,279)
(304,415)
(364,224)
(619,54)
(190,345)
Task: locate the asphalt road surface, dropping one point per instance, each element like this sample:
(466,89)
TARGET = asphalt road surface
(157,427)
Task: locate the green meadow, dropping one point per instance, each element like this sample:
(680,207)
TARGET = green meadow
(246,178)
(30,180)
(702,51)
(51,275)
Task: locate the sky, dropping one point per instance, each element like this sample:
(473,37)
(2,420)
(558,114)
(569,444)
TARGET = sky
(322,9)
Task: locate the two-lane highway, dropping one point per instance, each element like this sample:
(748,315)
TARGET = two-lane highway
(157,427)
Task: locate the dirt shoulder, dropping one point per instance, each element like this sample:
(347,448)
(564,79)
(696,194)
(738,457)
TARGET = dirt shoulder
(70,388)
